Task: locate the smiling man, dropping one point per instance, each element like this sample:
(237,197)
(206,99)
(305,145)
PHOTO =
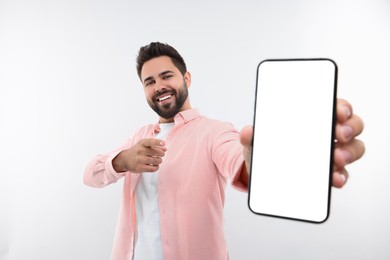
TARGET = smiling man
(166,88)
(176,170)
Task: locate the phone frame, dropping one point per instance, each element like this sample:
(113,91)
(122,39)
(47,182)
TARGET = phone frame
(332,141)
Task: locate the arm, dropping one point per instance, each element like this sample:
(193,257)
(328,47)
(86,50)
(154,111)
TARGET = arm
(100,171)
(144,156)
(227,156)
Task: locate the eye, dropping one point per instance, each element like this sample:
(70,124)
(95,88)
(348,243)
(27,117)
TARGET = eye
(149,83)
(167,76)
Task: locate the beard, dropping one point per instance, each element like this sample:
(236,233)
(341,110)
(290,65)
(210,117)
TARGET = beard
(169,110)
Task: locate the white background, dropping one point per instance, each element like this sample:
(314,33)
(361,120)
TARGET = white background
(69,90)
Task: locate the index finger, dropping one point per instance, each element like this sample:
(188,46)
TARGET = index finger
(152,142)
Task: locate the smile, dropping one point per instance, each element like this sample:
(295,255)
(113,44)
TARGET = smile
(161,99)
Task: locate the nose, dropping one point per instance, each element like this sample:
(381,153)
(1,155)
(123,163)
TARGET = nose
(159,86)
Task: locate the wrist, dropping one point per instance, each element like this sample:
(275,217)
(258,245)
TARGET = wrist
(118,163)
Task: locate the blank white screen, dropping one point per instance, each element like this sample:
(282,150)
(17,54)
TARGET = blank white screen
(293,139)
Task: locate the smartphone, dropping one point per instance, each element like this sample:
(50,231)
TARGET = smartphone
(293,139)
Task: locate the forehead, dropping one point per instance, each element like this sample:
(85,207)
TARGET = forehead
(155,66)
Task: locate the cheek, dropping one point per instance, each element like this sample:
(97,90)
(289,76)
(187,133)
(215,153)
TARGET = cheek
(148,93)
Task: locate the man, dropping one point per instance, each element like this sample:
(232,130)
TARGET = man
(176,170)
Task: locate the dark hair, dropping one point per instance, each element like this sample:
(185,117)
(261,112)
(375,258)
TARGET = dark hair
(157,49)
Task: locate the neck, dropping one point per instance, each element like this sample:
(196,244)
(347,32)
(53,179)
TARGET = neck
(166,120)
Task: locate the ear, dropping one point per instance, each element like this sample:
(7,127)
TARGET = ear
(187,79)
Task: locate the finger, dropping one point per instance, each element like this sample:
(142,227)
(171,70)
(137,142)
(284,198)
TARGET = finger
(349,129)
(153,151)
(343,110)
(148,168)
(347,153)
(152,142)
(148,160)
(150,164)
(143,165)
(340,177)
(246,136)
(146,163)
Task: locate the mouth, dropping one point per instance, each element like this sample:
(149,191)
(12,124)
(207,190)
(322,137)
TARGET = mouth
(164,97)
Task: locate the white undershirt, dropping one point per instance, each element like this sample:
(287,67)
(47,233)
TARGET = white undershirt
(148,242)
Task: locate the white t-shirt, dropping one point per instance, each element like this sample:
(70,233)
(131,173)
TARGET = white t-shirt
(148,241)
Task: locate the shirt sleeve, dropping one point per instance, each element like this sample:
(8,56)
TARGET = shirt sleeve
(227,154)
(100,172)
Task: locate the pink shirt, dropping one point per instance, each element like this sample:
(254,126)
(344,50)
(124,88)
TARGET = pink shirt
(202,155)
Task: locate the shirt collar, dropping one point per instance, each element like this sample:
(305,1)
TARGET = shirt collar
(182,117)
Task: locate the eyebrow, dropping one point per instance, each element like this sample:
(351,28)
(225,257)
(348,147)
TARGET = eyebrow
(161,74)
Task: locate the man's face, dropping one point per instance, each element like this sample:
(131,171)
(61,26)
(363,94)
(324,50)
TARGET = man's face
(166,89)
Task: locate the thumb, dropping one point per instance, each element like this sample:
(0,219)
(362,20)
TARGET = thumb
(246,136)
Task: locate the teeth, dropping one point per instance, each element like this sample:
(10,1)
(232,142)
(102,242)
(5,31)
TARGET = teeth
(164,98)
